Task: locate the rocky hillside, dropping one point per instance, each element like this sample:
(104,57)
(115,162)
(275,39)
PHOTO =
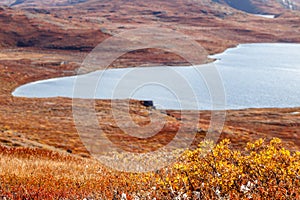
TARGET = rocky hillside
(82,24)
(251,6)
(25,29)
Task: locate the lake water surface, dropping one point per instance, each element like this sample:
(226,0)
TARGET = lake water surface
(253,76)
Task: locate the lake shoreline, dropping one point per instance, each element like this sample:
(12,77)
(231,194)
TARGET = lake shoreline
(245,77)
(49,122)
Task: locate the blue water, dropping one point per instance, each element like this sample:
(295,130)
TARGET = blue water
(247,76)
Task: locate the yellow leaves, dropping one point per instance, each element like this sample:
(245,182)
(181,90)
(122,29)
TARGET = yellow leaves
(285,152)
(255,145)
(224,143)
(259,142)
(167,179)
(275,141)
(263,169)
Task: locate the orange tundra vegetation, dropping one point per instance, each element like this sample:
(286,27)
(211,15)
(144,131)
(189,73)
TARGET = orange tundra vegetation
(260,171)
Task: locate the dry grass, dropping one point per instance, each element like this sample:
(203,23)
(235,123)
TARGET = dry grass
(41,174)
(260,171)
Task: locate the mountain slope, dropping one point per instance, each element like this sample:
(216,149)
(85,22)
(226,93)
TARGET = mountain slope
(24,29)
(82,24)
(250,6)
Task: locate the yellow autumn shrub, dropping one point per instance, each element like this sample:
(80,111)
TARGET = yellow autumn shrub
(260,171)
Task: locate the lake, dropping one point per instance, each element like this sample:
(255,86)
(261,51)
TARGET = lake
(263,75)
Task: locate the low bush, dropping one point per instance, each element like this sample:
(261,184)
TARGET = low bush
(261,171)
